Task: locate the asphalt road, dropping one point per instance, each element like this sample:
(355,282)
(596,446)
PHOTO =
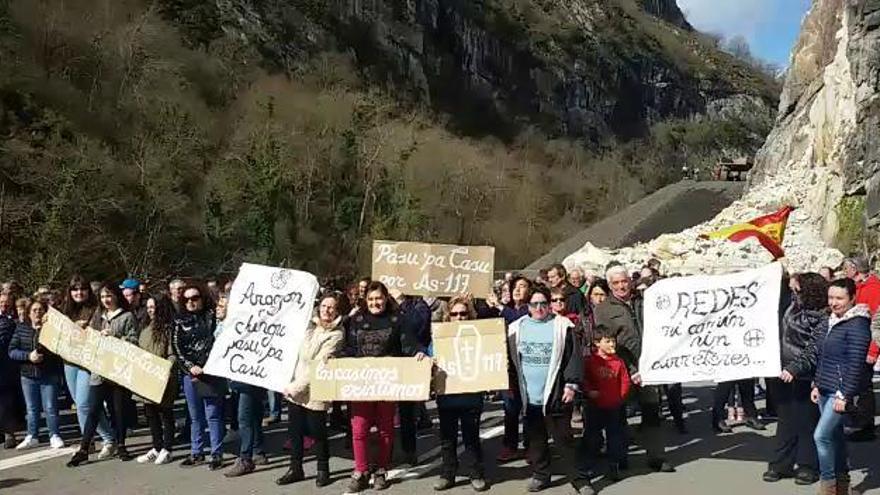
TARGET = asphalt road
(721,465)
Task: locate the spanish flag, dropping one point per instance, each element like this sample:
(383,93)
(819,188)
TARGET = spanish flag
(769,230)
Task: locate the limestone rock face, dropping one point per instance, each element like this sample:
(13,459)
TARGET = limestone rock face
(825,144)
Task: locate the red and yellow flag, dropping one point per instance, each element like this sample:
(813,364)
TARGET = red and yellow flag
(769,230)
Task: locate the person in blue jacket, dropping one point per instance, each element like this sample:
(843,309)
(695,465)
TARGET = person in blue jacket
(841,352)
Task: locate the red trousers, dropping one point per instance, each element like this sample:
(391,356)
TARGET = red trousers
(364,415)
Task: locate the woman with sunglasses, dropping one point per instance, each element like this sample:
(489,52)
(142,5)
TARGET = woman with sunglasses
(549,369)
(460,412)
(113,319)
(80,304)
(192,340)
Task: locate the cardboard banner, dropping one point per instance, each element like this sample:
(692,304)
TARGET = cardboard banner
(269,311)
(434,269)
(372,379)
(718,328)
(114,359)
(471,356)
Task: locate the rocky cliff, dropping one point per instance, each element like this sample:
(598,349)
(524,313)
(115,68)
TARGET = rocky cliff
(577,68)
(820,157)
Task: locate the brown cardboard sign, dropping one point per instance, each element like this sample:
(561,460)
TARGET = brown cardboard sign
(372,379)
(114,359)
(434,269)
(471,356)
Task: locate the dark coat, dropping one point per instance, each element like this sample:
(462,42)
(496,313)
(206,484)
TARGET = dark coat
(26,339)
(625,322)
(799,331)
(841,353)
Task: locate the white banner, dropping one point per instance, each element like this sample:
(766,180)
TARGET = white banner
(717,328)
(269,310)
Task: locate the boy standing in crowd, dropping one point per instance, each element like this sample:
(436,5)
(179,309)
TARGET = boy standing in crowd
(607,383)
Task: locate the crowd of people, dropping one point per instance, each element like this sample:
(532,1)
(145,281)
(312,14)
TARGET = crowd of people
(574,341)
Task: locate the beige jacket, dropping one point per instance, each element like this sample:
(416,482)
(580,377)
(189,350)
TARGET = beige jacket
(320,343)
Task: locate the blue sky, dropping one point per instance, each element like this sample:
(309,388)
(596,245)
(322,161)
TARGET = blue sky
(770,26)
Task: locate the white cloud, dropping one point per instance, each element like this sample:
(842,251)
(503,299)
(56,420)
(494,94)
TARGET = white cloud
(730,17)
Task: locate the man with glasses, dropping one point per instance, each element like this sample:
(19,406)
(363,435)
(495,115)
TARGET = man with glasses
(622,313)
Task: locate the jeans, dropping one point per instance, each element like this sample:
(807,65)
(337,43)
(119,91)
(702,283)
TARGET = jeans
(363,416)
(300,420)
(106,391)
(794,430)
(161,421)
(275,402)
(250,421)
(830,440)
(469,419)
(597,420)
(41,393)
(539,429)
(78,385)
(512,408)
(206,412)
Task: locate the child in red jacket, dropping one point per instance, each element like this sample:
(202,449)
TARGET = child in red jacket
(607,383)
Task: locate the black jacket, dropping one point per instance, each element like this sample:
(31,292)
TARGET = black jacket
(26,339)
(192,338)
(390,334)
(575,302)
(799,331)
(8,366)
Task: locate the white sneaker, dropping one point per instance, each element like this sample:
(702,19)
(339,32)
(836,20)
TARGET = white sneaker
(107,451)
(56,442)
(164,457)
(148,457)
(29,442)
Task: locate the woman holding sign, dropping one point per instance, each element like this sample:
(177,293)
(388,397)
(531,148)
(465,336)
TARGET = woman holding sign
(380,331)
(323,340)
(463,409)
(113,320)
(192,340)
(841,356)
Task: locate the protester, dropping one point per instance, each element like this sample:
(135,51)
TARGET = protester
(250,429)
(21,309)
(192,340)
(156,339)
(377,332)
(607,385)
(131,290)
(175,292)
(80,305)
(323,340)
(860,425)
(722,396)
(412,415)
(549,371)
(11,403)
(113,320)
(598,292)
(804,320)
(558,279)
(460,413)
(622,313)
(576,279)
(838,382)
(521,292)
(40,380)
(827,273)
(559,307)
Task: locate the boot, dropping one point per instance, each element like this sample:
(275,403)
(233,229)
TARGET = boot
(843,487)
(827,487)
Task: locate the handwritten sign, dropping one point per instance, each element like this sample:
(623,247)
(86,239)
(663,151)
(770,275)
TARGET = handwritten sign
(471,356)
(372,379)
(116,360)
(269,310)
(717,328)
(433,269)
